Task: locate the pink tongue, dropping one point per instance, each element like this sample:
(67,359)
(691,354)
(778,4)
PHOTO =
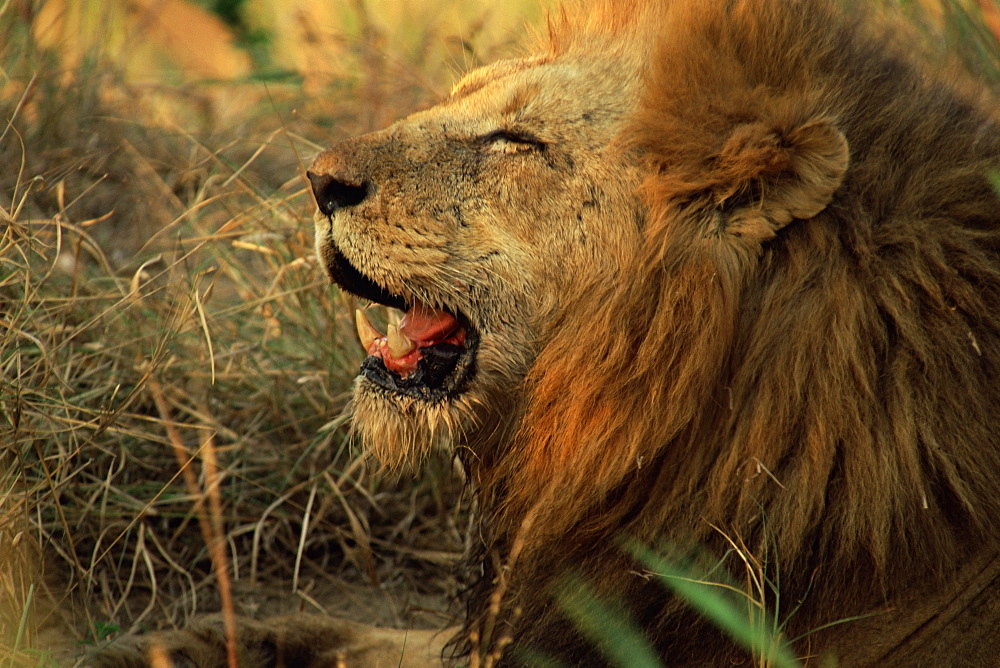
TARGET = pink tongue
(424,325)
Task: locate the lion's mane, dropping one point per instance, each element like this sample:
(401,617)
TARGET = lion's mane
(803,357)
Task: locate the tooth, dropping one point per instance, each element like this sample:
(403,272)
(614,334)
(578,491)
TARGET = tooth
(366,331)
(399,345)
(393,315)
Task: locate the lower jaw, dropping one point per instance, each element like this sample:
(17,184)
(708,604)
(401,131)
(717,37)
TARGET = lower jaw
(401,431)
(375,371)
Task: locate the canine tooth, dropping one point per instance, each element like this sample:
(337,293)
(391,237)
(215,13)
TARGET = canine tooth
(366,331)
(393,315)
(399,345)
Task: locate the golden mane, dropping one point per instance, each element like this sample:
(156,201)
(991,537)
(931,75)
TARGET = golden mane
(786,385)
(585,28)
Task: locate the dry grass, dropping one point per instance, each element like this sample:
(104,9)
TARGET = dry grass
(173,363)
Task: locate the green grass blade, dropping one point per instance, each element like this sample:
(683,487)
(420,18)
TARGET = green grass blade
(711,601)
(23,623)
(620,639)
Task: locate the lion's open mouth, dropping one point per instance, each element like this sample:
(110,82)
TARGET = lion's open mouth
(426,353)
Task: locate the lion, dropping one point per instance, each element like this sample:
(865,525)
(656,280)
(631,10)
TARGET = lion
(716,277)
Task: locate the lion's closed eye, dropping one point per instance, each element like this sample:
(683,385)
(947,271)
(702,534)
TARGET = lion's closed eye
(511,141)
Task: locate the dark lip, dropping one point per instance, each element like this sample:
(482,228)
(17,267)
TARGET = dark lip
(445,369)
(344,274)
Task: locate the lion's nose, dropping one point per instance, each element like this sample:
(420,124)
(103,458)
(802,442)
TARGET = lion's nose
(334,193)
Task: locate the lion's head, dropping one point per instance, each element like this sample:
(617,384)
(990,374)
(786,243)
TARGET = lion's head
(472,222)
(699,268)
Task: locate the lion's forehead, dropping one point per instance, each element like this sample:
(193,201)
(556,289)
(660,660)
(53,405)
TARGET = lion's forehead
(546,96)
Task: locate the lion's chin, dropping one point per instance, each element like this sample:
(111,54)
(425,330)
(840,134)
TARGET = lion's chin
(402,431)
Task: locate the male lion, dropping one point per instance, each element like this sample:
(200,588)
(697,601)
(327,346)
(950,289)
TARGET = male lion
(713,276)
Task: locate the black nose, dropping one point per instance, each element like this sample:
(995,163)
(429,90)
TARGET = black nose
(332,194)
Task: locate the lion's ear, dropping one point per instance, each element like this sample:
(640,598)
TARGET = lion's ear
(764,178)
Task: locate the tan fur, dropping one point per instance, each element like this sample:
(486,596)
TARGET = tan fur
(747,293)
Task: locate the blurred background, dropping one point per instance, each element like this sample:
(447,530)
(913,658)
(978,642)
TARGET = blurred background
(173,364)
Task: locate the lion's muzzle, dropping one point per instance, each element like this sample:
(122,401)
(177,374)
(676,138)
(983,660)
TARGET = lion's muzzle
(426,352)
